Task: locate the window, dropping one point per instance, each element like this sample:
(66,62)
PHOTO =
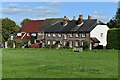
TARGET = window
(59,35)
(19,34)
(101,35)
(76,35)
(65,36)
(70,43)
(53,35)
(39,33)
(76,44)
(54,42)
(48,42)
(83,35)
(70,35)
(28,34)
(48,34)
(64,43)
(33,34)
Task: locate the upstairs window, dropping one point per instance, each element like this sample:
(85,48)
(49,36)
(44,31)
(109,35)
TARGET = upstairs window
(53,35)
(71,35)
(28,34)
(19,34)
(48,34)
(59,35)
(83,35)
(76,35)
(101,35)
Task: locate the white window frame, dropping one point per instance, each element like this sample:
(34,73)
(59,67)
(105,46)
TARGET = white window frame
(65,36)
(54,35)
(19,34)
(33,34)
(76,35)
(28,34)
(48,34)
(101,34)
(59,35)
(54,42)
(64,43)
(76,43)
(71,35)
(70,43)
(83,34)
(48,42)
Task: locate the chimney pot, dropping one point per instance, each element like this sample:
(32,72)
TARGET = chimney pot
(74,18)
(80,19)
(89,17)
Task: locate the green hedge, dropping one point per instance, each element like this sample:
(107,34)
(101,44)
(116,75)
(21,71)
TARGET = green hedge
(113,38)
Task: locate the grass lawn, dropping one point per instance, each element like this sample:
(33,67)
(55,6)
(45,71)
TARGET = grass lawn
(61,63)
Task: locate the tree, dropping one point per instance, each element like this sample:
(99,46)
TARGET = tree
(24,22)
(8,27)
(115,22)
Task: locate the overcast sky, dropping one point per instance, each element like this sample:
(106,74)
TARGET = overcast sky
(18,11)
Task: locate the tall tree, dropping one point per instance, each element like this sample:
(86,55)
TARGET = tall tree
(115,22)
(24,22)
(8,27)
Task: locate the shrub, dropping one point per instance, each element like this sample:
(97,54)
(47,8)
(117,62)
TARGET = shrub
(10,43)
(20,43)
(113,38)
(85,45)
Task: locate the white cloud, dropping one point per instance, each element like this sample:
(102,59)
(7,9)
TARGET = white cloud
(10,11)
(56,3)
(101,16)
(41,8)
(12,5)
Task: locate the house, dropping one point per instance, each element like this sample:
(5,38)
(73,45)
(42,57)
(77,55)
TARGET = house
(31,28)
(62,31)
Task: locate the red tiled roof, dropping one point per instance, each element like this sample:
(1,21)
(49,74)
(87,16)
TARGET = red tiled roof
(32,26)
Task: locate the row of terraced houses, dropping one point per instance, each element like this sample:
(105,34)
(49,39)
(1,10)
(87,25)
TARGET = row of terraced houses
(64,31)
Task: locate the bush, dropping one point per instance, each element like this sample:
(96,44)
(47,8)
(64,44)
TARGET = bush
(10,43)
(113,38)
(20,43)
(85,45)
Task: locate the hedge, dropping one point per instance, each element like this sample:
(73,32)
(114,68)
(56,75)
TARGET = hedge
(113,39)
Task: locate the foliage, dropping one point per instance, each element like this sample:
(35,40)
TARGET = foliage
(32,39)
(113,38)
(10,43)
(20,43)
(115,22)
(85,45)
(59,63)
(8,27)
(24,22)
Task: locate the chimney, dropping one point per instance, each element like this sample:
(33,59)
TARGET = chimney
(74,18)
(89,17)
(65,20)
(80,19)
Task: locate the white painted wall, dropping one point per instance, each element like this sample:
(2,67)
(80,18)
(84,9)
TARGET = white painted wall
(96,32)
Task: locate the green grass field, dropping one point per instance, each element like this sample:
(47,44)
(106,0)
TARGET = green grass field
(61,63)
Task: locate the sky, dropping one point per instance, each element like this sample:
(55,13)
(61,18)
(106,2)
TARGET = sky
(18,11)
